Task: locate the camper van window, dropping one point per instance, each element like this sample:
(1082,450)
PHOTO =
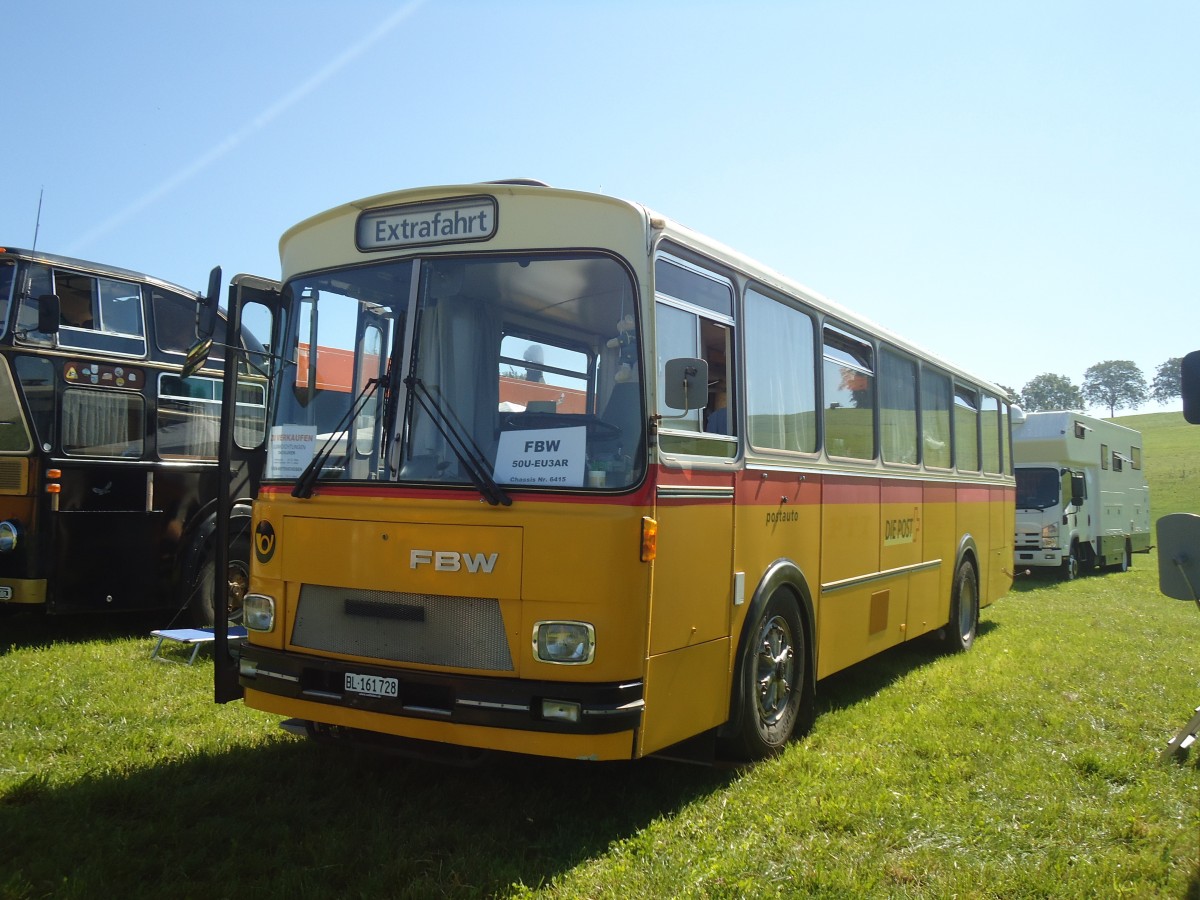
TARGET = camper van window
(1104,456)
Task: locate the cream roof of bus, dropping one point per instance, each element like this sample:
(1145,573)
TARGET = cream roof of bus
(766,275)
(327,239)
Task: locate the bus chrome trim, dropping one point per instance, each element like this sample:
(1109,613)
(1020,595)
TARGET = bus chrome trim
(879,576)
(673,492)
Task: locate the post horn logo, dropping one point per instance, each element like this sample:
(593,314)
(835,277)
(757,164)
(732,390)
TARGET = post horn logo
(264,542)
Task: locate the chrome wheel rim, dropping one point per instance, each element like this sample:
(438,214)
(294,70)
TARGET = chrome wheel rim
(775,669)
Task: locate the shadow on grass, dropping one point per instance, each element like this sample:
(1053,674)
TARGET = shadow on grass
(21,629)
(300,819)
(866,679)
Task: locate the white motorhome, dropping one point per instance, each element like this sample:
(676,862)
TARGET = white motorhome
(1082,498)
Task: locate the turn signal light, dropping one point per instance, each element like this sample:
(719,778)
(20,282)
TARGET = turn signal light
(649,539)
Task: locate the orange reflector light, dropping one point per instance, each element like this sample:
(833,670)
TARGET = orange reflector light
(54,473)
(54,489)
(649,539)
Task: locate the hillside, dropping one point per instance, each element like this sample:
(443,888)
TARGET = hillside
(1172,459)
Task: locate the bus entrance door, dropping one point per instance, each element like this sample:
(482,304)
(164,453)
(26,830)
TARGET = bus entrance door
(687,668)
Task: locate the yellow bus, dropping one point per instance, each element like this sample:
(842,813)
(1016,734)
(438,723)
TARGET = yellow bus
(595,486)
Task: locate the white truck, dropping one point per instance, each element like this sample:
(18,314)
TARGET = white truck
(1082,498)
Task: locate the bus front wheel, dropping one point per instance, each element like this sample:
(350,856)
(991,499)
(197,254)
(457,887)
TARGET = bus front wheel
(236,581)
(772,692)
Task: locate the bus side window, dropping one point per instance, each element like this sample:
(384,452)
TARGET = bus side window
(75,300)
(714,340)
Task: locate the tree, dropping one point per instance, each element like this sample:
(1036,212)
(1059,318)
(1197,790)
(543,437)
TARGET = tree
(1013,394)
(1051,392)
(1166,385)
(1115,383)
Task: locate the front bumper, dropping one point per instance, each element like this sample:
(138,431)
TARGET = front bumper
(468,700)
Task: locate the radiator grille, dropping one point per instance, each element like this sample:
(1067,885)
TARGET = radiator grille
(12,476)
(461,632)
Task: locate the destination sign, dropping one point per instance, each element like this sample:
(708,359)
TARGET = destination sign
(443,221)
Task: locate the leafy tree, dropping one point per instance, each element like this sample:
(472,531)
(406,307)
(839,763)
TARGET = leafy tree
(1115,383)
(1051,392)
(1013,394)
(1166,385)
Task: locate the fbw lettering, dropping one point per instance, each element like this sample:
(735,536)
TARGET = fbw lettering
(452,561)
(542,446)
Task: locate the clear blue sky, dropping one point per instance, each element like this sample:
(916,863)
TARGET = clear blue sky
(1014,186)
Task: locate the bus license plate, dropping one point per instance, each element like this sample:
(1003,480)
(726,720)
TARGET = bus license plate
(372,685)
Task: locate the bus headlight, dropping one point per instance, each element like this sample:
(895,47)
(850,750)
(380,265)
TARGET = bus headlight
(1049,536)
(258,612)
(564,643)
(9,532)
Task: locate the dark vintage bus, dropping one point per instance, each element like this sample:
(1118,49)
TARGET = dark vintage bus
(108,454)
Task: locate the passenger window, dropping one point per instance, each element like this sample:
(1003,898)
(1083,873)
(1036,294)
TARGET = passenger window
(898,408)
(990,422)
(935,419)
(781,396)
(966,429)
(97,313)
(849,396)
(686,328)
(103,423)
(174,321)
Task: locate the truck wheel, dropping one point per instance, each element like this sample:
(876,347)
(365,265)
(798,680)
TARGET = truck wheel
(1070,565)
(772,685)
(960,632)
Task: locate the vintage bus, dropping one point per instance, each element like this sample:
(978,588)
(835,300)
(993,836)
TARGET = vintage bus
(108,455)
(598,486)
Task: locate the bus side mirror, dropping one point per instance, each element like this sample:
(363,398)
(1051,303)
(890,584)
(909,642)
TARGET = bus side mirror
(686,383)
(1189,383)
(206,325)
(1179,556)
(206,309)
(1078,491)
(49,313)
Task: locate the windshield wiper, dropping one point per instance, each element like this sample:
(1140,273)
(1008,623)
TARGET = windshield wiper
(308,478)
(464,448)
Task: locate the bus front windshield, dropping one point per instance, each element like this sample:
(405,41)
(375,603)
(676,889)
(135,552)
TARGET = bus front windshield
(498,372)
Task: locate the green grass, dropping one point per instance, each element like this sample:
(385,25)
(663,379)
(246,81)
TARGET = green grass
(1028,767)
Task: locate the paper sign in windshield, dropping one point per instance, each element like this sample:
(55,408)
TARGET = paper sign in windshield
(290,450)
(546,457)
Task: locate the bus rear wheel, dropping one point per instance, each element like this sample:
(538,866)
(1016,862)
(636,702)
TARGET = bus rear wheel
(773,674)
(964,609)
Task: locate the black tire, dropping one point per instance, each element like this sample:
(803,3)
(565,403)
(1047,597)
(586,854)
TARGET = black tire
(773,698)
(1070,565)
(960,631)
(237,578)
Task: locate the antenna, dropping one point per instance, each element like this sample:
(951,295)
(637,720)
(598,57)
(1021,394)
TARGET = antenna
(38,224)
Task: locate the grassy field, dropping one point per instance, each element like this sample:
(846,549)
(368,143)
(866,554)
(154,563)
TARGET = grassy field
(1028,767)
